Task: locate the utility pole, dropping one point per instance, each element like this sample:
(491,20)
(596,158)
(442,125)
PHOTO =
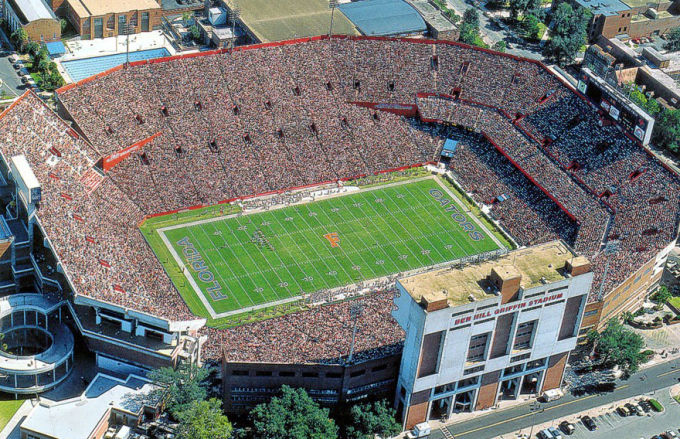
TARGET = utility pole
(332,4)
(355,311)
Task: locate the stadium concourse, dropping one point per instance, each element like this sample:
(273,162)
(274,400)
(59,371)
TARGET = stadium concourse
(162,135)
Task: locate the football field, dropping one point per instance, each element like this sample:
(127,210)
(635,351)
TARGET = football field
(248,261)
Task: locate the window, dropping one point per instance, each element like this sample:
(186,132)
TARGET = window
(286,373)
(445,388)
(590,313)
(379,368)
(473,370)
(466,382)
(310,375)
(263,373)
(99,28)
(477,349)
(122,25)
(524,334)
(145,22)
(239,372)
(357,373)
(333,375)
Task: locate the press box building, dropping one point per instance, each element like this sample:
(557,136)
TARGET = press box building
(488,331)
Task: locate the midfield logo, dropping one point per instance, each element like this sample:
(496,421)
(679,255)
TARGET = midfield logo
(333,238)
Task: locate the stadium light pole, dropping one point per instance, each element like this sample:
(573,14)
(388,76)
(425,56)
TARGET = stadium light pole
(355,311)
(332,4)
(611,248)
(235,14)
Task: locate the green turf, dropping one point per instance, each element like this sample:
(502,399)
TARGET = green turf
(275,21)
(7,409)
(381,231)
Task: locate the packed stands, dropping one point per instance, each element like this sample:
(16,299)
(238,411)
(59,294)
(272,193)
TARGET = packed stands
(263,118)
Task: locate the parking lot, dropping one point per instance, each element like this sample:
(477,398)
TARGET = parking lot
(611,424)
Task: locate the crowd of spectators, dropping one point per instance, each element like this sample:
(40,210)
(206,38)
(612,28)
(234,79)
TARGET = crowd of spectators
(322,334)
(250,121)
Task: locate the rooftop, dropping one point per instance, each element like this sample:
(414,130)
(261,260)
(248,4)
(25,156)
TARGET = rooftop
(31,10)
(604,7)
(94,8)
(276,21)
(384,17)
(544,261)
(78,417)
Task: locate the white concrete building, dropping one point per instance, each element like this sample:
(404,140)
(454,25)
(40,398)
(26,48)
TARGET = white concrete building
(488,331)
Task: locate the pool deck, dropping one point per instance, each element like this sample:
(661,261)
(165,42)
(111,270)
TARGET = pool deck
(79,49)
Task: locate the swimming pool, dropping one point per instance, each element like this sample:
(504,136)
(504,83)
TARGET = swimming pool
(82,68)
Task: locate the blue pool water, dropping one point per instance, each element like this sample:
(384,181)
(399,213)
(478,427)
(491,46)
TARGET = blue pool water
(82,68)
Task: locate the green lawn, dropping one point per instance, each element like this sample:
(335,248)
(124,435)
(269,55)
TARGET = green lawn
(7,409)
(675,301)
(252,260)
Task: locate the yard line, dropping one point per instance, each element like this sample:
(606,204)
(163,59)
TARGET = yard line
(256,266)
(235,256)
(219,273)
(303,253)
(398,239)
(375,274)
(465,252)
(282,248)
(314,247)
(389,224)
(281,281)
(366,247)
(408,218)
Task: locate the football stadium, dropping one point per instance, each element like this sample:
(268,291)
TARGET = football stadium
(290,184)
(244,262)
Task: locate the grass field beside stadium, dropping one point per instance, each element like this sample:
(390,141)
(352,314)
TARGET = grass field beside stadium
(255,260)
(275,21)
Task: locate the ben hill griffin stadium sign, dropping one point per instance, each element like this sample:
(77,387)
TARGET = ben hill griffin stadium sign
(504,309)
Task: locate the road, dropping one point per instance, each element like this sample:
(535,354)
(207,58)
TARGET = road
(519,417)
(11,82)
(493,33)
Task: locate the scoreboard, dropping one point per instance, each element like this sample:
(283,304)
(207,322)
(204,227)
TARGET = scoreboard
(631,118)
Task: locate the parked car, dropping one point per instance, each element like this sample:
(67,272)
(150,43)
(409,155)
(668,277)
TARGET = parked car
(18,65)
(544,434)
(671,434)
(13,58)
(419,431)
(646,407)
(635,408)
(555,433)
(567,427)
(623,411)
(589,423)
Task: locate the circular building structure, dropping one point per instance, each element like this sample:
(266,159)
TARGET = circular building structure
(37,348)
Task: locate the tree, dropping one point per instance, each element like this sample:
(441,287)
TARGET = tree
(32,48)
(499,46)
(673,40)
(469,29)
(20,38)
(523,7)
(63,24)
(662,295)
(195,32)
(373,419)
(203,420)
(293,415)
(619,346)
(568,33)
(666,132)
(180,387)
(531,26)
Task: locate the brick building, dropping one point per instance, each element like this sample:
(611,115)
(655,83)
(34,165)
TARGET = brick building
(488,331)
(630,18)
(101,19)
(35,16)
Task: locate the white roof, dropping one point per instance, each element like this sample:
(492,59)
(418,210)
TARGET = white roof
(78,417)
(25,171)
(34,9)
